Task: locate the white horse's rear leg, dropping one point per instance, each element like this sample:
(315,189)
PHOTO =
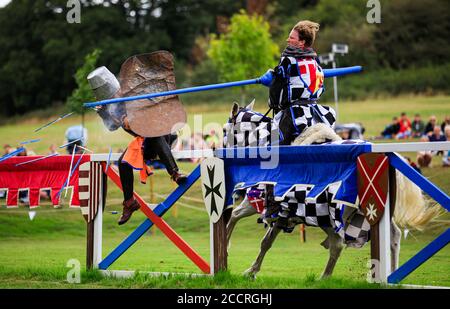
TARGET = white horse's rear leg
(335,244)
(396,235)
(243,210)
(266,244)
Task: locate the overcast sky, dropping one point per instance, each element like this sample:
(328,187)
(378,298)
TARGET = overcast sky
(4,2)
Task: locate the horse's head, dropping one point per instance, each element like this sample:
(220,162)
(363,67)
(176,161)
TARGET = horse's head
(236,110)
(245,127)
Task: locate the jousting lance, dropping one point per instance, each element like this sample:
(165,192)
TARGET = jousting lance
(265,80)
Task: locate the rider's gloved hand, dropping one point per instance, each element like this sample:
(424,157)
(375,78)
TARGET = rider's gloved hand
(267,78)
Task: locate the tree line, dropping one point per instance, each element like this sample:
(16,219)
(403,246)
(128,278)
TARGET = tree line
(40,51)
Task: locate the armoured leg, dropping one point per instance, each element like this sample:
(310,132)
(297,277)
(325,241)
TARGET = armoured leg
(335,244)
(126,178)
(159,146)
(266,244)
(287,128)
(130,204)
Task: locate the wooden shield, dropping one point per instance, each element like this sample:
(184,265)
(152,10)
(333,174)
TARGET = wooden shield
(151,73)
(373,185)
(213,187)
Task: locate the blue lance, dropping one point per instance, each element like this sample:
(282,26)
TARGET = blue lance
(265,80)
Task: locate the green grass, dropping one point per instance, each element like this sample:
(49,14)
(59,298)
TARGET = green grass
(34,253)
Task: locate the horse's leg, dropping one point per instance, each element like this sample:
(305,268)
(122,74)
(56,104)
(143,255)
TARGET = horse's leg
(335,244)
(266,244)
(243,210)
(396,235)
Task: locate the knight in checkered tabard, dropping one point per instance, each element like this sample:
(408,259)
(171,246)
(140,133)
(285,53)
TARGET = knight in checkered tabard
(298,84)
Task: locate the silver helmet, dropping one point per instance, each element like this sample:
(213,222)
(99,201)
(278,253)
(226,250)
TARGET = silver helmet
(104,84)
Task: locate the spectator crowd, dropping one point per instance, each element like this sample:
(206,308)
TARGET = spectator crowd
(403,128)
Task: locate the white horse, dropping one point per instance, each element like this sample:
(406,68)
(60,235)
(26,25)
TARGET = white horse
(411,209)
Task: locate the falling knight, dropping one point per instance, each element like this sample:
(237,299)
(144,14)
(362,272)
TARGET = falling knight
(153,123)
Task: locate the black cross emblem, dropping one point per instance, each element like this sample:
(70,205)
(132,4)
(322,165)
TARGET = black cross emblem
(213,189)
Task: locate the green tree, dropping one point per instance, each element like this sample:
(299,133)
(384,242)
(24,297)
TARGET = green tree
(414,33)
(83,92)
(246,50)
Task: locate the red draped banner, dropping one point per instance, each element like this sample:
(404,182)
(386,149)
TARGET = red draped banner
(48,174)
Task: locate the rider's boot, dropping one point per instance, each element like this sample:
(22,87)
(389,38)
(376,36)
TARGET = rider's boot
(129,207)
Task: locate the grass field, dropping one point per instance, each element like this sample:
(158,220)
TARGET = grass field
(34,253)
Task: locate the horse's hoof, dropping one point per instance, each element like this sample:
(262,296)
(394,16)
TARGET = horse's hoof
(325,276)
(249,273)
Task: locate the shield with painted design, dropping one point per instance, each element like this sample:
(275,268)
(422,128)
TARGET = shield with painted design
(373,185)
(150,73)
(213,187)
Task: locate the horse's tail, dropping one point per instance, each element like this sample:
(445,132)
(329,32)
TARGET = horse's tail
(412,210)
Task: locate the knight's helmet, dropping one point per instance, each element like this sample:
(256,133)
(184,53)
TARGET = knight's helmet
(103,83)
(105,86)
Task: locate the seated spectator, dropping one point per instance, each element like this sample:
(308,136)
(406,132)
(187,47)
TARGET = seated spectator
(391,130)
(405,127)
(424,157)
(446,156)
(437,135)
(430,126)
(445,123)
(417,126)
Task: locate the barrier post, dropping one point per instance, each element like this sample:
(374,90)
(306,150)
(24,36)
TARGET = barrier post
(374,197)
(98,222)
(90,245)
(92,195)
(218,244)
(213,190)
(384,231)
